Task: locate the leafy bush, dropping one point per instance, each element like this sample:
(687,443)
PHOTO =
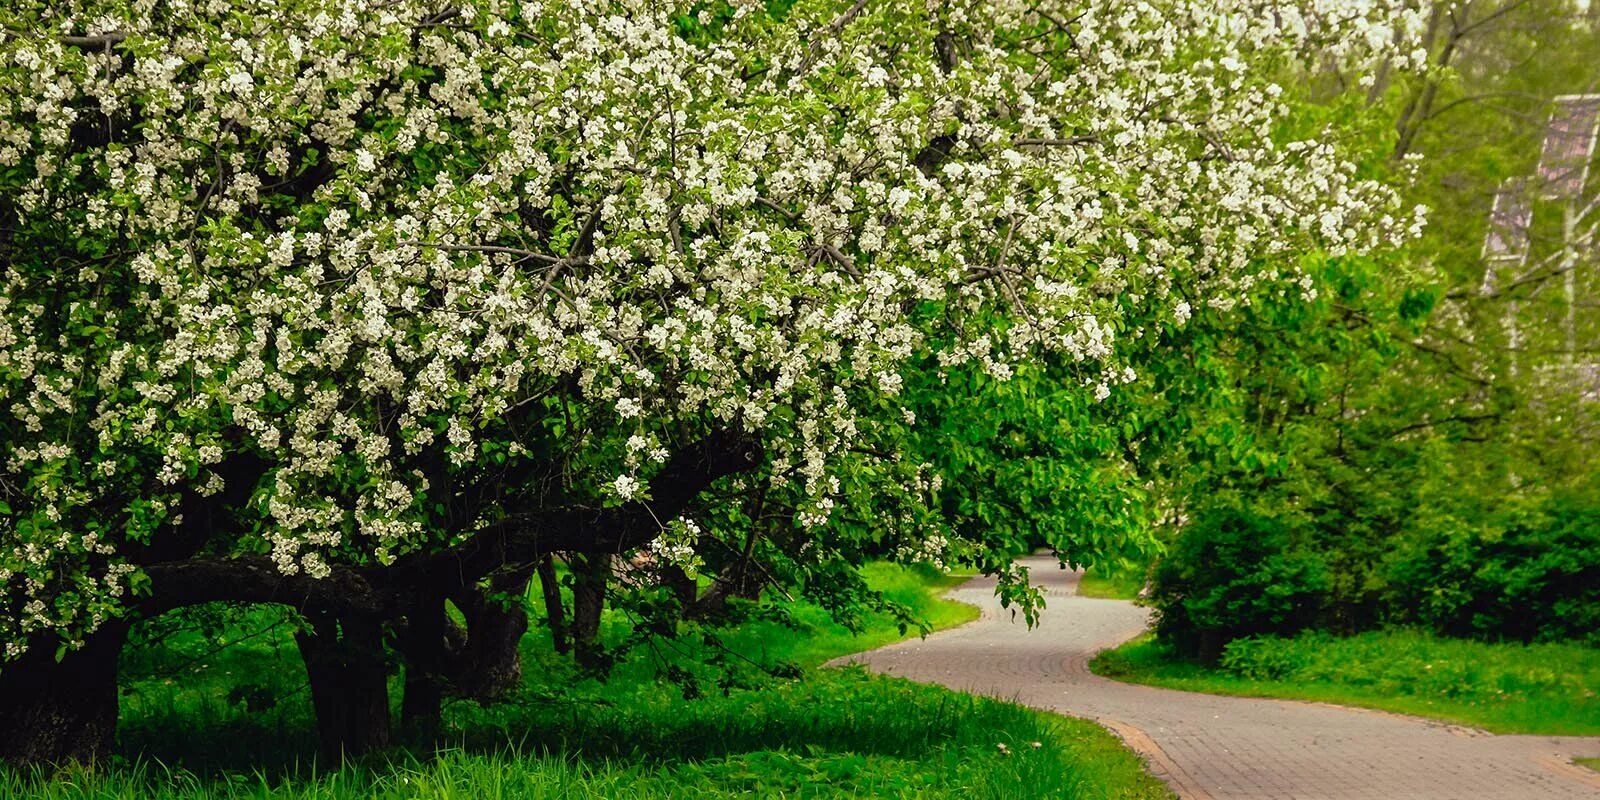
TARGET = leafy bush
(1234,573)
(1268,658)
(1535,578)
(1529,572)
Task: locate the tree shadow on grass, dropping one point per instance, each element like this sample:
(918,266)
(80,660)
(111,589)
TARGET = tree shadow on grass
(214,735)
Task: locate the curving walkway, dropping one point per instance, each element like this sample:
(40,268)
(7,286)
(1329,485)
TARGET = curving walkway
(1210,747)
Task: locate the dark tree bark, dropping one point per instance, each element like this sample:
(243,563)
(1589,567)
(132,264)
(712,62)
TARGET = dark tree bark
(1210,646)
(490,665)
(53,712)
(422,703)
(682,586)
(591,572)
(426,647)
(735,580)
(522,537)
(1419,108)
(555,610)
(349,684)
(732,582)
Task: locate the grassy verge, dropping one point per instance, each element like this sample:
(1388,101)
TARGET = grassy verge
(194,734)
(816,638)
(1110,585)
(1505,688)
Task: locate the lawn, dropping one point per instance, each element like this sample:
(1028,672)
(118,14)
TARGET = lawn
(205,725)
(1110,584)
(1504,688)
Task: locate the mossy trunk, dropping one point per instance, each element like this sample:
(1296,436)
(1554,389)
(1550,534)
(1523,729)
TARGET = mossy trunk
(58,712)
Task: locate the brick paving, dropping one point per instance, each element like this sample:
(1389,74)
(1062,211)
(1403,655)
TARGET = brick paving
(1210,747)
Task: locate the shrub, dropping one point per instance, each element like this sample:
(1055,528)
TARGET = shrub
(1269,658)
(1236,573)
(1535,577)
(1529,572)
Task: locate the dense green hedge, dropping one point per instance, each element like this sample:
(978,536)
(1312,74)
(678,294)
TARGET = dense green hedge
(1527,574)
(1534,577)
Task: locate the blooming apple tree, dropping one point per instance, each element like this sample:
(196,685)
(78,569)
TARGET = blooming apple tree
(320,290)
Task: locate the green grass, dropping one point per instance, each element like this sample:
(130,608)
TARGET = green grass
(1591,763)
(191,735)
(819,639)
(1110,584)
(842,734)
(1504,688)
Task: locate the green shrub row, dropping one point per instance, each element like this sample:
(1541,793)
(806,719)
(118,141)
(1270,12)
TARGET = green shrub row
(1529,574)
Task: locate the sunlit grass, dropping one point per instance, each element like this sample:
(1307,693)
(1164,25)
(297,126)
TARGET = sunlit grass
(816,638)
(1110,584)
(1505,688)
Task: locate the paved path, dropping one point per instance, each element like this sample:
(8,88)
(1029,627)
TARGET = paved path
(1210,747)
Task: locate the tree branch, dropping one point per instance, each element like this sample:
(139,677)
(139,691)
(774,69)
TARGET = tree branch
(518,539)
(98,41)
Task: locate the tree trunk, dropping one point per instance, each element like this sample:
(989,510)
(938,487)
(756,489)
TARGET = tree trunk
(555,611)
(591,572)
(427,654)
(349,685)
(683,587)
(422,703)
(733,581)
(747,586)
(491,664)
(54,713)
